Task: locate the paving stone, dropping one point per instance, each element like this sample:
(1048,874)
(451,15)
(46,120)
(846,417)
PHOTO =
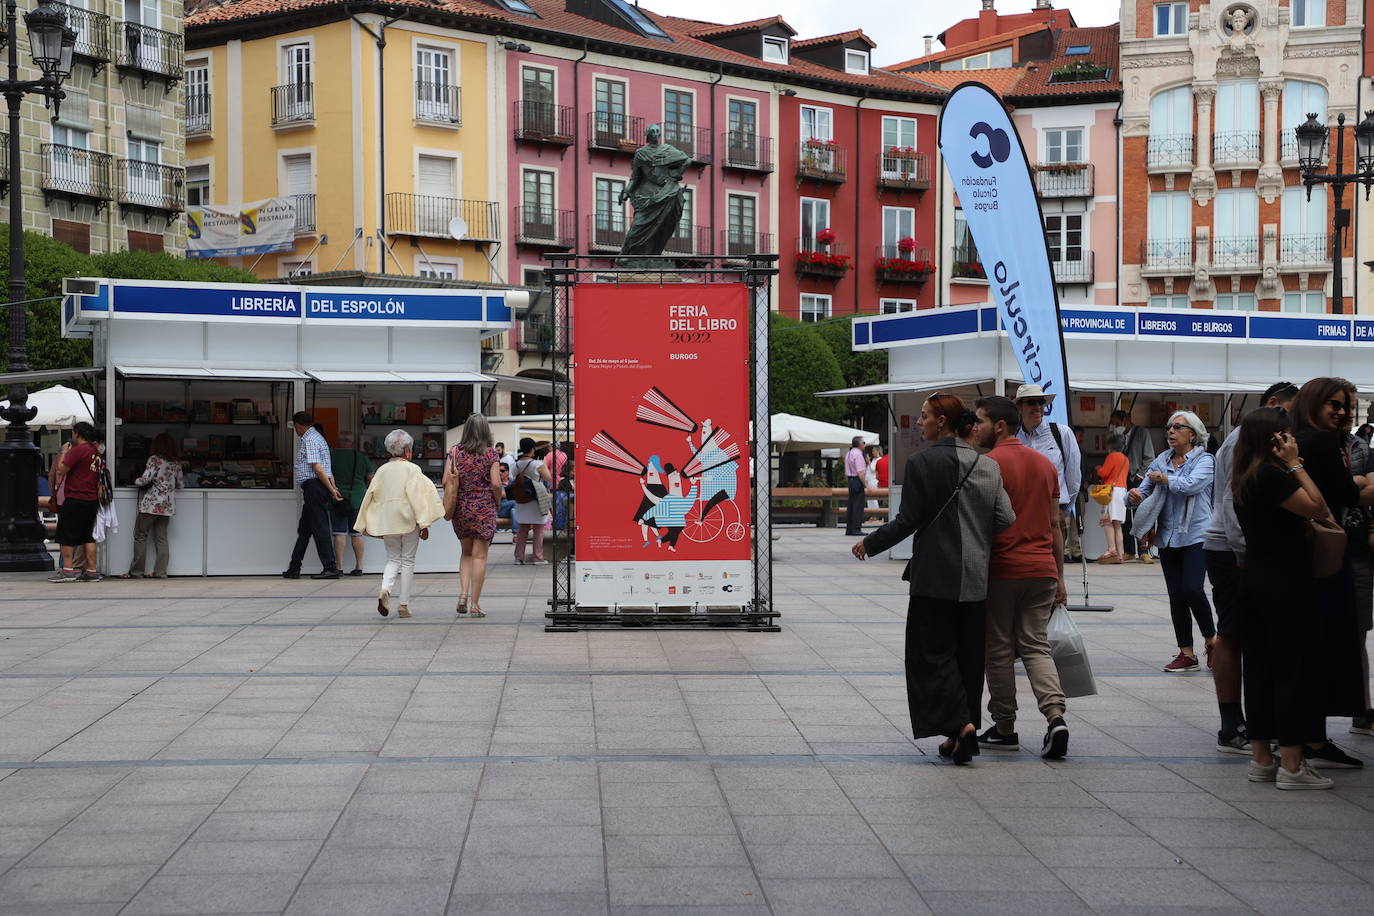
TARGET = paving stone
(1180,886)
(829,896)
(235,856)
(1016,875)
(171,895)
(401,899)
(684,887)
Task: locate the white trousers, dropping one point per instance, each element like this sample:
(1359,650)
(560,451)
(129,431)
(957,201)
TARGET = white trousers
(400,562)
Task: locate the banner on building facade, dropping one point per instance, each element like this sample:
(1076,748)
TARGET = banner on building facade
(259,227)
(662,432)
(996,189)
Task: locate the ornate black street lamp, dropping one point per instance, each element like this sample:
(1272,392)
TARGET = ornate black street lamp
(51,42)
(1313,138)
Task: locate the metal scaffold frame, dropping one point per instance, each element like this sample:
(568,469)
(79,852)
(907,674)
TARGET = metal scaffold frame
(567,271)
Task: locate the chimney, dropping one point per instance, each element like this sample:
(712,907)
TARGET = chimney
(1042,4)
(987,5)
(987,20)
(929,39)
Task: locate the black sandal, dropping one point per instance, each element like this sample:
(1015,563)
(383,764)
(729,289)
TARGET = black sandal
(965,747)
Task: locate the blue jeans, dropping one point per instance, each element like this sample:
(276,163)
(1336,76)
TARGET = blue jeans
(1185,569)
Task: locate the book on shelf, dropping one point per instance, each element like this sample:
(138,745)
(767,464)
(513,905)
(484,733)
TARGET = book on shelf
(200,411)
(432,445)
(219,412)
(174,411)
(413,413)
(431,411)
(371,411)
(391,413)
(368,445)
(243,410)
(216,448)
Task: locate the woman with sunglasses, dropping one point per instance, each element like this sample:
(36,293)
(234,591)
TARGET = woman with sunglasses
(1184,471)
(1319,413)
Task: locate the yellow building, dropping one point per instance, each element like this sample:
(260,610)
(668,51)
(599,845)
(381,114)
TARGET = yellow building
(377,127)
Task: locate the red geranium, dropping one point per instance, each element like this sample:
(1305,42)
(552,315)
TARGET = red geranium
(906,244)
(825,236)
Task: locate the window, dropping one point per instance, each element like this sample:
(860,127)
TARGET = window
(682,240)
(817,123)
(1064,145)
(899,132)
(742,148)
(1307,13)
(71,165)
(290,269)
(1075,50)
(774,49)
(143,175)
(438,270)
(198,185)
(436,98)
(537,195)
(1168,302)
(642,23)
(1000,57)
(677,119)
(609,97)
(856,62)
(814,308)
(608,226)
(740,212)
(298,103)
(538,117)
(967,263)
(893,306)
(1313,302)
(300,187)
(1171,18)
(197,98)
(70,232)
(1170,242)
(532,276)
(1236,302)
(1171,128)
(517,6)
(815,216)
(1299,98)
(898,223)
(1064,231)
(1235,235)
(145,241)
(1236,137)
(1304,238)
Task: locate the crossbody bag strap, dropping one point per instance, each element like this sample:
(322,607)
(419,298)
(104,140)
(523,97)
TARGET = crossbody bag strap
(959,486)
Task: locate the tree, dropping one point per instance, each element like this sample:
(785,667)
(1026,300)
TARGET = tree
(151,265)
(864,367)
(800,364)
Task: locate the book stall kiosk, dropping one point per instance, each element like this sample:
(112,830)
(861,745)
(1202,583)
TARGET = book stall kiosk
(222,368)
(1153,362)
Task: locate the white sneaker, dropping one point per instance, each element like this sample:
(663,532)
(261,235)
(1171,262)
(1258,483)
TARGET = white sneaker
(1263,772)
(1304,778)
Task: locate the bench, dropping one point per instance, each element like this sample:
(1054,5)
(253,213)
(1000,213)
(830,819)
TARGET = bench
(830,510)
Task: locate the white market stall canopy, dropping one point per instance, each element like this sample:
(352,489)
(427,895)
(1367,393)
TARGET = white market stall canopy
(60,406)
(800,434)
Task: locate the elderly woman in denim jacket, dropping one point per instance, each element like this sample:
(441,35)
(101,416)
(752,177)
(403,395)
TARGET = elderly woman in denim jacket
(1184,471)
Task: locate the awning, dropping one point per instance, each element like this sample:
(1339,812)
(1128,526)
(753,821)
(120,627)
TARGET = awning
(1074,385)
(526,385)
(48,375)
(203,372)
(897,387)
(362,377)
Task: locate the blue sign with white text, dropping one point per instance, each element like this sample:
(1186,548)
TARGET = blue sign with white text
(1192,323)
(392,306)
(1326,330)
(208,302)
(1097,321)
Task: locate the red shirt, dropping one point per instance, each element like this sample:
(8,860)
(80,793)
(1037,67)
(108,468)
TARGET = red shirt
(1026,549)
(83,472)
(880,468)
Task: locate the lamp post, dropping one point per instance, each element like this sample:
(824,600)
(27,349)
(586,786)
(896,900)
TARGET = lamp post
(51,42)
(1313,138)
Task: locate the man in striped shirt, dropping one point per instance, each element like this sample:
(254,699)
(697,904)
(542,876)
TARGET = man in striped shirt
(314,475)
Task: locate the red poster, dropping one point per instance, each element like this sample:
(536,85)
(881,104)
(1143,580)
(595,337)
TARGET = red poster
(662,432)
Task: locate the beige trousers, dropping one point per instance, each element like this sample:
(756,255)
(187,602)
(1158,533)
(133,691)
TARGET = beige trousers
(1018,613)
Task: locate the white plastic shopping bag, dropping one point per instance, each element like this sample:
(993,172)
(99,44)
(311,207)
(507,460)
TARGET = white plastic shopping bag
(1070,657)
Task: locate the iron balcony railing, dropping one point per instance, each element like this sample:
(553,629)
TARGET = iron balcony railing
(746,151)
(1306,250)
(694,240)
(152,50)
(821,160)
(546,227)
(1170,255)
(1236,147)
(606,231)
(816,259)
(1235,252)
(967,265)
(1169,152)
(541,334)
(614,131)
(293,103)
(739,243)
(438,103)
(92,32)
(1064,179)
(423,215)
(151,185)
(903,171)
(77,172)
(305,213)
(694,141)
(894,264)
(198,111)
(544,122)
(1080,271)
(1288,146)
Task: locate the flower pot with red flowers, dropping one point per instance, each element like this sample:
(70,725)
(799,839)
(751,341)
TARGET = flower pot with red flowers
(903,270)
(903,168)
(822,160)
(822,262)
(825,236)
(969,270)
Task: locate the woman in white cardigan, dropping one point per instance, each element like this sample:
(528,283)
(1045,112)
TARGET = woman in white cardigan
(399,506)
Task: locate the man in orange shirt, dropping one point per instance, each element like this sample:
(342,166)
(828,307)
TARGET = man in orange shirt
(1025,582)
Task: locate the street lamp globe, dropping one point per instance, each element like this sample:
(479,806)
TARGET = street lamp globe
(1311,143)
(1364,143)
(47,26)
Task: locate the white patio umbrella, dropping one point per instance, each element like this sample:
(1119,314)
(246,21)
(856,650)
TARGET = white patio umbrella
(60,406)
(794,433)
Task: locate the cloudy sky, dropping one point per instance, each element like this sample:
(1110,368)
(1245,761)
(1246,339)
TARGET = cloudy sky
(896,25)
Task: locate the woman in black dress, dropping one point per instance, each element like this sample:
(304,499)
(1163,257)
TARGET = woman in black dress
(1281,640)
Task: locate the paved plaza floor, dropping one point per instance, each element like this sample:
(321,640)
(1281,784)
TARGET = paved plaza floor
(256,745)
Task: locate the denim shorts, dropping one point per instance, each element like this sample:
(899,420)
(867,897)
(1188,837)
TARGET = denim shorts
(342,517)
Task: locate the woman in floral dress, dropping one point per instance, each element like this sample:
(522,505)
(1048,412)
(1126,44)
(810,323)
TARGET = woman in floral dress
(473,465)
(161,478)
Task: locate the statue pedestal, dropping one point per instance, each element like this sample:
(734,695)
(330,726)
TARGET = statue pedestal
(663,276)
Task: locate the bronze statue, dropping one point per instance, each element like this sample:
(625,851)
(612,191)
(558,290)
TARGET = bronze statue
(657,197)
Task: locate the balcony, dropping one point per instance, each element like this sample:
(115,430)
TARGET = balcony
(817,260)
(1235,253)
(1236,149)
(696,240)
(899,170)
(438,103)
(423,215)
(1305,252)
(77,173)
(92,32)
(746,151)
(1166,257)
(613,132)
(1169,153)
(821,160)
(151,52)
(1064,179)
(150,186)
(305,213)
(544,122)
(293,105)
(966,264)
(538,335)
(198,112)
(1080,271)
(737,243)
(694,141)
(544,227)
(894,265)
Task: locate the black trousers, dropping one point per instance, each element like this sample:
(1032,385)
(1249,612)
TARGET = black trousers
(314,523)
(854,507)
(1283,658)
(1184,573)
(1224,575)
(944,665)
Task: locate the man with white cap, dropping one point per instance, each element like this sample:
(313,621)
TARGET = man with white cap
(1056,443)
